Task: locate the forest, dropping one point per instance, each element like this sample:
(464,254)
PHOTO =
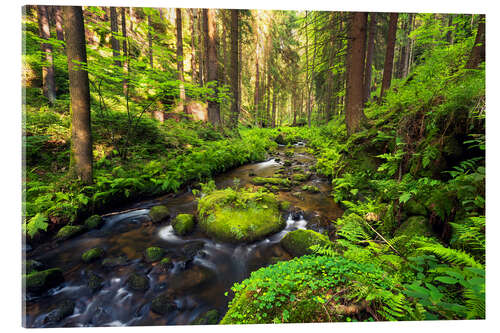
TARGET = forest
(190,166)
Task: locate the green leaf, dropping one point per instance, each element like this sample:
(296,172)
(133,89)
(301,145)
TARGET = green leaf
(446,279)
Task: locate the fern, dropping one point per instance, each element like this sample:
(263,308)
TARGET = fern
(452,256)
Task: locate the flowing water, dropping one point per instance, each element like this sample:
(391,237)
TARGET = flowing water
(203,270)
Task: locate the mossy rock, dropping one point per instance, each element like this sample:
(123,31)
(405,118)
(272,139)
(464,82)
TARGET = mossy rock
(280,139)
(285,205)
(93,222)
(63,310)
(92,254)
(43,280)
(271,180)
(301,177)
(163,304)
(298,242)
(183,224)
(310,188)
(31,266)
(413,207)
(114,262)
(159,213)
(94,281)
(289,153)
(287,163)
(138,282)
(239,216)
(153,253)
(166,263)
(68,232)
(414,226)
(208,318)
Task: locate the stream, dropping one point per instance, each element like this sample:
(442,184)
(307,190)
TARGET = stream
(202,272)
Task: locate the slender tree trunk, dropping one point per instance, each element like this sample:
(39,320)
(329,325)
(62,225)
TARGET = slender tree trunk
(150,41)
(59,23)
(125,51)
(180,59)
(408,47)
(257,78)
(356,44)
(404,48)
(202,46)
(225,52)
(449,33)
(307,75)
(389,54)
(235,73)
(115,43)
(81,137)
(211,59)
(273,114)
(193,15)
(48,80)
(411,43)
(478,53)
(369,57)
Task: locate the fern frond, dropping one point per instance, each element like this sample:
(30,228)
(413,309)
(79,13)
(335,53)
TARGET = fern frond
(452,256)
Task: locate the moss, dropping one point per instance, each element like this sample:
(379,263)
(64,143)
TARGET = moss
(298,242)
(163,304)
(40,281)
(154,253)
(239,216)
(310,188)
(166,263)
(115,261)
(289,153)
(285,205)
(138,282)
(413,207)
(208,318)
(280,139)
(92,254)
(271,180)
(287,163)
(68,232)
(94,222)
(158,213)
(94,281)
(300,177)
(183,224)
(31,266)
(414,226)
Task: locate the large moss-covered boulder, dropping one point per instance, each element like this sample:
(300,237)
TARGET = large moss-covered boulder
(92,254)
(31,266)
(138,282)
(153,253)
(68,232)
(271,180)
(300,177)
(43,280)
(414,226)
(208,318)
(93,222)
(239,216)
(183,224)
(298,242)
(159,213)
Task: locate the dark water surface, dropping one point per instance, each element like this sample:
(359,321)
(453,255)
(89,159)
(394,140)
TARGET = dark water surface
(203,270)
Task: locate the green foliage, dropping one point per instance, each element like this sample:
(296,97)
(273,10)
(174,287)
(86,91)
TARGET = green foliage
(35,224)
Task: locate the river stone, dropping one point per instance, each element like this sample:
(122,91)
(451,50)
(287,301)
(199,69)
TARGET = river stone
(242,216)
(114,262)
(153,253)
(138,282)
(301,177)
(192,278)
(183,224)
(310,188)
(166,263)
(44,280)
(298,242)
(287,163)
(159,213)
(270,180)
(31,266)
(92,254)
(285,205)
(208,318)
(163,303)
(68,232)
(94,281)
(63,310)
(280,139)
(191,249)
(93,222)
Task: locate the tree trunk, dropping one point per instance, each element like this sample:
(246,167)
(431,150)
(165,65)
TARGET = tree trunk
(235,73)
(478,53)
(273,114)
(115,43)
(202,46)
(211,60)
(180,59)
(81,137)
(59,23)
(369,57)
(408,47)
(125,51)
(48,80)
(389,54)
(354,114)
(150,41)
(193,17)
(449,33)
(257,78)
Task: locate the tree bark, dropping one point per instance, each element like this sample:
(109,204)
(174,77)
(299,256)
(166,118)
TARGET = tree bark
(115,43)
(273,114)
(369,57)
(48,79)
(235,74)
(356,44)
(193,15)
(257,78)
(150,41)
(125,51)
(59,23)
(81,137)
(180,59)
(211,59)
(478,53)
(389,54)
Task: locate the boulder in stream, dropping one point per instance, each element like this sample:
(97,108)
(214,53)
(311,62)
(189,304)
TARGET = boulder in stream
(239,216)
(43,280)
(92,254)
(159,213)
(63,310)
(163,303)
(138,282)
(153,253)
(211,317)
(31,266)
(183,224)
(94,281)
(298,242)
(93,222)
(271,180)
(69,231)
(114,262)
